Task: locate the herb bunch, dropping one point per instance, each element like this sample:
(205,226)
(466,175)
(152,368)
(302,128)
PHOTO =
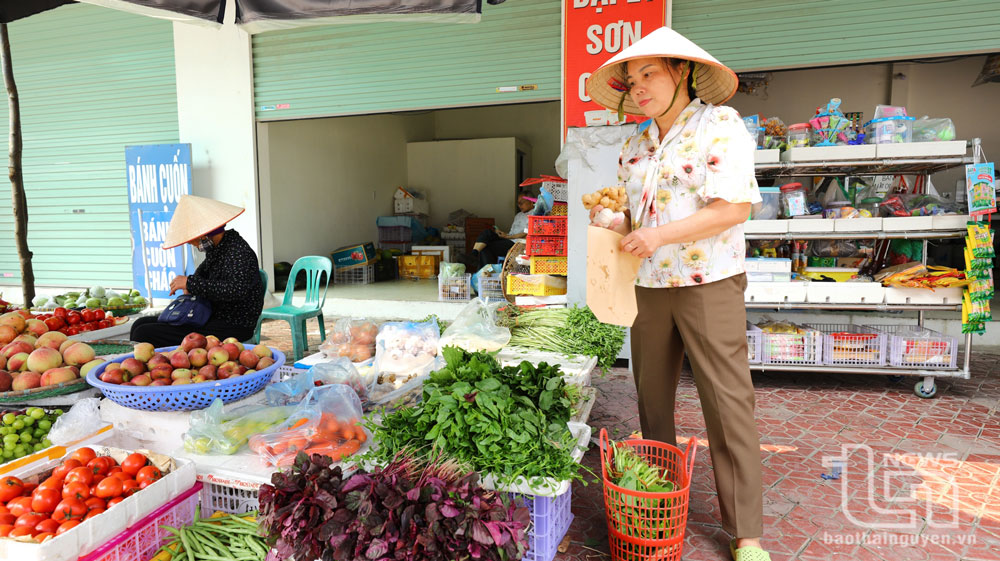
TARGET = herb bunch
(564,330)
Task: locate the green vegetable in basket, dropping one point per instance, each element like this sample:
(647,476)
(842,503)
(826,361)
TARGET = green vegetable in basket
(638,517)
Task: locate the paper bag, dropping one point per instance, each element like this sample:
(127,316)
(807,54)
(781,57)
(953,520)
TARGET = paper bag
(611,277)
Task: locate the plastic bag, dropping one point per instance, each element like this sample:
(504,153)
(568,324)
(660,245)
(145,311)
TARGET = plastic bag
(926,129)
(406,349)
(351,338)
(82,420)
(833,248)
(327,422)
(390,397)
(475,328)
(340,371)
(214,432)
(927,205)
(451,270)
(290,392)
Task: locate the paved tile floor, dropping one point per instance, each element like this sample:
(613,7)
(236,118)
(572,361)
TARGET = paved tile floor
(926,487)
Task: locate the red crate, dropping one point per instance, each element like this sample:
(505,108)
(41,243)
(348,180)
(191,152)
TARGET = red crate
(546,245)
(547,225)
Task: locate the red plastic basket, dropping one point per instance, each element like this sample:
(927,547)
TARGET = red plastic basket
(545,245)
(648,526)
(547,225)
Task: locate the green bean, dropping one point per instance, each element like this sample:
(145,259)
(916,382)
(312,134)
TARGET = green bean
(187,547)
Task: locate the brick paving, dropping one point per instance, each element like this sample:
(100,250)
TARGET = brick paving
(937,458)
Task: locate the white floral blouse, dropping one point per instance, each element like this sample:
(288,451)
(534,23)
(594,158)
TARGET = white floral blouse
(707,154)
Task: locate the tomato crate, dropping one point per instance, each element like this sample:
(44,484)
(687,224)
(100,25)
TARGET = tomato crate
(536,285)
(547,225)
(550,520)
(554,246)
(548,265)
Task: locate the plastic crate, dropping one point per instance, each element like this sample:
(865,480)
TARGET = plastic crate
(915,346)
(394,234)
(490,287)
(548,265)
(550,520)
(455,289)
(141,541)
(215,497)
(545,245)
(792,348)
(547,225)
(559,208)
(754,338)
(399,248)
(536,285)
(851,345)
(418,266)
(559,190)
(357,275)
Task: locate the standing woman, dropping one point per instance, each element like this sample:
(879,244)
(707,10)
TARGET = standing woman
(690,182)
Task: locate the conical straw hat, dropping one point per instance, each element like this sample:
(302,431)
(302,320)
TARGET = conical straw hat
(715,83)
(197,216)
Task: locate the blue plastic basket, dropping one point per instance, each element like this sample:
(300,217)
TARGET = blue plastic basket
(186,397)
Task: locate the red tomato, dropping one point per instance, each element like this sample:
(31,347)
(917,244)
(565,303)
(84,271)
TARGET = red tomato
(29,488)
(69,509)
(19,506)
(73,330)
(92,513)
(115,501)
(95,502)
(99,313)
(81,474)
(48,525)
(129,488)
(75,490)
(60,312)
(53,483)
(55,324)
(11,487)
(88,327)
(7,518)
(5,530)
(149,474)
(3,509)
(45,501)
(133,463)
(120,475)
(101,465)
(18,532)
(105,323)
(88,315)
(67,526)
(61,471)
(41,537)
(74,317)
(110,487)
(29,520)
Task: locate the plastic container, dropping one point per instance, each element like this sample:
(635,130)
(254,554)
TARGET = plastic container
(851,345)
(547,265)
(455,289)
(888,111)
(871,205)
(141,541)
(793,200)
(559,208)
(187,397)
(798,135)
(221,498)
(654,530)
(891,130)
(754,336)
(490,287)
(545,245)
(550,520)
(918,347)
(358,275)
(770,207)
(837,274)
(547,225)
(792,348)
(536,285)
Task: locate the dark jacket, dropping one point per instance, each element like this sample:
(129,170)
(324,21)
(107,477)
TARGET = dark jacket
(230,279)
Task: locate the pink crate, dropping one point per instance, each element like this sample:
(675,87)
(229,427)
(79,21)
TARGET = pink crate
(550,520)
(141,541)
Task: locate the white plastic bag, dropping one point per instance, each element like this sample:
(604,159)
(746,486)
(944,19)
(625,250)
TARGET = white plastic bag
(82,420)
(405,349)
(475,328)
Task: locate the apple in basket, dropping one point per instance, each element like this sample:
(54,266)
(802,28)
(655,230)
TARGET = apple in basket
(233,350)
(198,357)
(159,359)
(227,370)
(133,367)
(180,360)
(116,376)
(144,352)
(208,371)
(218,356)
(211,342)
(249,359)
(194,341)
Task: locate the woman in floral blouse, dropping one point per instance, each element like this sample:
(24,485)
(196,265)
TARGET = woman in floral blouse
(689,176)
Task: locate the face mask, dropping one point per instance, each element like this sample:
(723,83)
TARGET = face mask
(205,244)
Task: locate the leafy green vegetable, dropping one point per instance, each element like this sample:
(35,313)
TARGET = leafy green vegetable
(505,421)
(646,518)
(565,330)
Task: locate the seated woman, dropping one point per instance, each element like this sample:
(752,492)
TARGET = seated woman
(493,244)
(229,277)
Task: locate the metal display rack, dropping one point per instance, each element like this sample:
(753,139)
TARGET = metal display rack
(909,165)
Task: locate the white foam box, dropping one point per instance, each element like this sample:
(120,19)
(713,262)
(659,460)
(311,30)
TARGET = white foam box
(34,462)
(768,265)
(775,292)
(845,293)
(545,487)
(771,156)
(921,149)
(576,369)
(857,224)
(823,153)
(950,221)
(947,296)
(907,223)
(95,532)
(765,226)
(809,225)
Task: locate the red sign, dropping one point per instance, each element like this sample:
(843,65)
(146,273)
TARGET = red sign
(593,32)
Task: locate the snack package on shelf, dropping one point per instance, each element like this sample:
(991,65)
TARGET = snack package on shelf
(214,431)
(916,275)
(351,338)
(327,422)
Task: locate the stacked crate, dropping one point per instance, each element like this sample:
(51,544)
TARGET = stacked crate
(546,250)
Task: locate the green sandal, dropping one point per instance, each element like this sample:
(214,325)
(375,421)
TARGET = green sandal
(748,553)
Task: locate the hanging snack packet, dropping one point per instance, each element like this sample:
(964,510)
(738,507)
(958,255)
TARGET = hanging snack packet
(980,240)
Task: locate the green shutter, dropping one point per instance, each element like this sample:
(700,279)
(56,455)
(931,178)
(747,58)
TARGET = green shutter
(381,67)
(91,81)
(774,34)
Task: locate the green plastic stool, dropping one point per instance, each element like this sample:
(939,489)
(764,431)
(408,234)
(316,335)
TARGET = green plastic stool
(317,270)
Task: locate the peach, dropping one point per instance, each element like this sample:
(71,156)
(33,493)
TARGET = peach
(52,340)
(36,326)
(263,351)
(180,360)
(7,334)
(67,344)
(265,362)
(218,356)
(16,347)
(143,352)
(86,368)
(249,359)
(198,357)
(141,380)
(26,381)
(79,354)
(18,362)
(43,359)
(57,376)
(28,338)
(211,342)
(133,367)
(15,320)
(208,371)
(193,341)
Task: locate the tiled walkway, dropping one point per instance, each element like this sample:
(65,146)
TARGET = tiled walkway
(938,459)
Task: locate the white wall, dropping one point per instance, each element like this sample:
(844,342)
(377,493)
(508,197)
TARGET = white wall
(329,179)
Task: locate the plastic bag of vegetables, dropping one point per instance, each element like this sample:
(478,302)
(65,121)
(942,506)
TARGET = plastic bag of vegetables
(405,349)
(327,422)
(476,329)
(213,431)
(351,338)
(290,392)
(340,371)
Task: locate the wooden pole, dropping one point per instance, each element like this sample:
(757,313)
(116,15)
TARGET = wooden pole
(20,201)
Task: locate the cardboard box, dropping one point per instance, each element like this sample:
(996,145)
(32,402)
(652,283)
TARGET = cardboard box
(351,256)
